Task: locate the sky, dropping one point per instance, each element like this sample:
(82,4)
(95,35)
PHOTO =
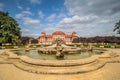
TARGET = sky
(88,18)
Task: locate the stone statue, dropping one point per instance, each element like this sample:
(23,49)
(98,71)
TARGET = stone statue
(59,49)
(90,48)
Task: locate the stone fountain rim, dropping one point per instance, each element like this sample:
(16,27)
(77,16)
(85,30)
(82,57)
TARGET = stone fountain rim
(57,63)
(58,70)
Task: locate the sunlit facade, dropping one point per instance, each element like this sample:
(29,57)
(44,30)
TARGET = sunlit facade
(51,38)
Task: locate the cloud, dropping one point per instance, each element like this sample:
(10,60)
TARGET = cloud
(19,16)
(1,6)
(35,1)
(79,19)
(89,17)
(50,29)
(55,17)
(28,8)
(41,15)
(97,7)
(104,21)
(80,24)
(25,30)
(29,33)
(51,18)
(20,7)
(61,16)
(86,17)
(23,14)
(25,17)
(31,22)
(27,12)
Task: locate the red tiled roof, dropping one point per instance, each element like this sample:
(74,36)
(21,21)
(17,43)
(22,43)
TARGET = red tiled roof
(58,33)
(48,36)
(74,33)
(42,32)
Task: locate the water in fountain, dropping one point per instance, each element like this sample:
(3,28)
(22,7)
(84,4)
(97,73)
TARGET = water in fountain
(60,52)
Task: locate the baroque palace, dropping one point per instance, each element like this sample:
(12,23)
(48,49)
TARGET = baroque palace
(51,38)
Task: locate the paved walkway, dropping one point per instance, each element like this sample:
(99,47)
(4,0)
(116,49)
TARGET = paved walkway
(111,71)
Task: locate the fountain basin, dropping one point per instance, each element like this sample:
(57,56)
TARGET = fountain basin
(73,59)
(68,54)
(58,66)
(58,63)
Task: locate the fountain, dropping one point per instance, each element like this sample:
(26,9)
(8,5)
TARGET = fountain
(58,59)
(59,49)
(46,66)
(53,60)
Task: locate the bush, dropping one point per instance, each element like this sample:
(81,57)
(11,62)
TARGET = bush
(21,46)
(107,46)
(85,45)
(8,46)
(0,47)
(117,46)
(11,46)
(44,45)
(72,45)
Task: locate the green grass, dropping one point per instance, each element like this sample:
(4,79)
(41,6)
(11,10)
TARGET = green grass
(77,45)
(8,46)
(95,45)
(0,47)
(117,46)
(44,45)
(11,46)
(107,45)
(21,46)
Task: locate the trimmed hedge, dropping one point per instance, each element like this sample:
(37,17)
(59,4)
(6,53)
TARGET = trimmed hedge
(44,45)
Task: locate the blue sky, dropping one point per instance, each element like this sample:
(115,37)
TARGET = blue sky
(86,17)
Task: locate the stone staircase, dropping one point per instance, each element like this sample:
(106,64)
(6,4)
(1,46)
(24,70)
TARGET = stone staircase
(61,70)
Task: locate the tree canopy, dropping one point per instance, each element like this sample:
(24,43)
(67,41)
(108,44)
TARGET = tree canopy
(25,40)
(117,27)
(97,39)
(9,29)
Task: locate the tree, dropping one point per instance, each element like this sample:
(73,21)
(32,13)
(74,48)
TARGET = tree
(9,30)
(34,41)
(76,40)
(25,40)
(117,27)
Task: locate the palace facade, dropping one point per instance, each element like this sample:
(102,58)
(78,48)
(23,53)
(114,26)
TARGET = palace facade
(51,38)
